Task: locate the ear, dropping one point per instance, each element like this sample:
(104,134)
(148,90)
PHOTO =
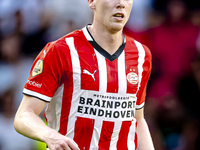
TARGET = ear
(91,4)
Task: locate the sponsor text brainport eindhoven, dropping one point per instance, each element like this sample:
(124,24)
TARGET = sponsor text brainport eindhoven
(107,106)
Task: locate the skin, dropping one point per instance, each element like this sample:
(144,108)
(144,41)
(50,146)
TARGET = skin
(28,123)
(105,14)
(110,16)
(107,27)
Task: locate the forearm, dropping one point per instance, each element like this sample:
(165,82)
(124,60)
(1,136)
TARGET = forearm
(28,123)
(31,125)
(144,137)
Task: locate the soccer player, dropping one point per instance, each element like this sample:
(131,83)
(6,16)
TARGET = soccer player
(94,82)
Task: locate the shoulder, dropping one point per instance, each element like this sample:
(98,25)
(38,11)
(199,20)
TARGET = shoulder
(62,44)
(132,43)
(62,41)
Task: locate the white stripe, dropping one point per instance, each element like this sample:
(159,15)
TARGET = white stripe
(53,110)
(122,74)
(102,73)
(87,35)
(76,78)
(115,135)
(140,62)
(35,94)
(140,106)
(96,134)
(102,90)
(131,136)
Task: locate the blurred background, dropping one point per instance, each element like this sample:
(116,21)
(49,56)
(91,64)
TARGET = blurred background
(171,30)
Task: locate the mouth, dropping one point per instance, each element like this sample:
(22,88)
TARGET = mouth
(119,15)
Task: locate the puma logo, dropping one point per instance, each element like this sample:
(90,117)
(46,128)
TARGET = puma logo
(88,73)
(45,52)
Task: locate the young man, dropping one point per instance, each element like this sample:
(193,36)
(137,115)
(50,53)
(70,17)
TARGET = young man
(94,81)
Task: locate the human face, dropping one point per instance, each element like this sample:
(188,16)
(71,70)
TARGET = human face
(111,14)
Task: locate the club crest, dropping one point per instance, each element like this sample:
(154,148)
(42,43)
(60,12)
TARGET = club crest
(132,78)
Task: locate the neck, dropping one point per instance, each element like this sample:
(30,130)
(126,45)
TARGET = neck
(107,40)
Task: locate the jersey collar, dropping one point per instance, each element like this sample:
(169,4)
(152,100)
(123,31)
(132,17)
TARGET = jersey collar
(97,47)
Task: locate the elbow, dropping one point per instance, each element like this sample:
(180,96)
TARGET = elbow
(15,124)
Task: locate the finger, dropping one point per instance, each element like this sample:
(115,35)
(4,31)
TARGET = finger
(70,146)
(67,148)
(73,145)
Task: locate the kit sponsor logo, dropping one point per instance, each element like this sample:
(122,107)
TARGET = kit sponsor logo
(111,107)
(91,74)
(45,52)
(35,84)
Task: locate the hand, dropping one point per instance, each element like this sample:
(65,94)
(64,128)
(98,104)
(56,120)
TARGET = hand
(56,141)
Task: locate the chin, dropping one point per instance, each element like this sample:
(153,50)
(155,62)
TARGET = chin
(116,27)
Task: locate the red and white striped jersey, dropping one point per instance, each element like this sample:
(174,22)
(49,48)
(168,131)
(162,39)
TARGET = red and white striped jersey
(92,95)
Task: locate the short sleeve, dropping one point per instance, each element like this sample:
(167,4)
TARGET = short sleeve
(147,65)
(46,74)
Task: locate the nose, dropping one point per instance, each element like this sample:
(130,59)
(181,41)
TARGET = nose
(120,4)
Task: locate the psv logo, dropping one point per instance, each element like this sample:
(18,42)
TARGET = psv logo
(132,78)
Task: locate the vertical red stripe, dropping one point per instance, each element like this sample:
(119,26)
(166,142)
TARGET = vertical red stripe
(131,62)
(83,132)
(89,67)
(65,110)
(105,137)
(136,138)
(67,98)
(112,76)
(136,141)
(123,136)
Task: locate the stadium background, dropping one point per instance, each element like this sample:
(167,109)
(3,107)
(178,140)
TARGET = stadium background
(170,28)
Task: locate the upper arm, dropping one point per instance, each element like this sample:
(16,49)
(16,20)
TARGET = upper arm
(31,104)
(144,137)
(139,114)
(27,121)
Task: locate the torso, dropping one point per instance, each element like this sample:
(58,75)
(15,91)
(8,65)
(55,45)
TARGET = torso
(96,99)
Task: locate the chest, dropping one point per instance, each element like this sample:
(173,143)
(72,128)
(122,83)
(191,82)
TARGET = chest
(91,70)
